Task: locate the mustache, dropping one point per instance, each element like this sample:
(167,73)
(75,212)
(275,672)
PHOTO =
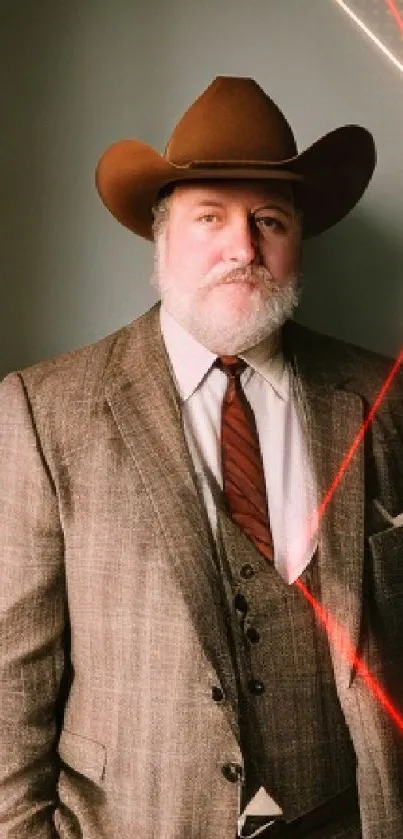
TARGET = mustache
(223,274)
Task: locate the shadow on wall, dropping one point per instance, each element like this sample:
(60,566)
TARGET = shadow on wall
(21,243)
(353,284)
(22,237)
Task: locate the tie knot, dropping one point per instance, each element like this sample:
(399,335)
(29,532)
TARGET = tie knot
(231,365)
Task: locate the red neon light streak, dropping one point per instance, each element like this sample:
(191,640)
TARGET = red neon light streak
(335,632)
(356,442)
(396,14)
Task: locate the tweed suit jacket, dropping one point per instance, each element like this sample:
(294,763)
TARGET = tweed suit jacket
(112,622)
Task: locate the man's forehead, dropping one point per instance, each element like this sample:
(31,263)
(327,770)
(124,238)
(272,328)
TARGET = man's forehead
(233,190)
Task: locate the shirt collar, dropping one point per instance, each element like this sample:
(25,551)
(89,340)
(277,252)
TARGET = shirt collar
(267,359)
(191,361)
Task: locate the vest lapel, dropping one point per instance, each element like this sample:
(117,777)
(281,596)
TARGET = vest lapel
(146,408)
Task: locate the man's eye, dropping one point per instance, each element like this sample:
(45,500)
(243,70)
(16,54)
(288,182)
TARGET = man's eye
(208,218)
(266,223)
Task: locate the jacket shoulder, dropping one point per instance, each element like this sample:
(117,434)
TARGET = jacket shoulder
(85,369)
(344,364)
(67,392)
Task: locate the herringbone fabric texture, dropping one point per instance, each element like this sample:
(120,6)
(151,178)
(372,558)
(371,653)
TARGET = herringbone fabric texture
(243,475)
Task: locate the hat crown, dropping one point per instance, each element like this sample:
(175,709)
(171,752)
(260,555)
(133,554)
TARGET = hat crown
(233,120)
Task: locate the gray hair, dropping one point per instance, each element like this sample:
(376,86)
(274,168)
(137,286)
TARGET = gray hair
(160,213)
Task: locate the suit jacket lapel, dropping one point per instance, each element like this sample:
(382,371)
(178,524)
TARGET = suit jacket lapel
(146,408)
(147,411)
(334,416)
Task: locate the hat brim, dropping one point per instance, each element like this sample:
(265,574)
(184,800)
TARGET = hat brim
(333,173)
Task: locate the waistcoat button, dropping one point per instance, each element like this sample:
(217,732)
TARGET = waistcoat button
(256,687)
(217,693)
(247,571)
(252,635)
(232,772)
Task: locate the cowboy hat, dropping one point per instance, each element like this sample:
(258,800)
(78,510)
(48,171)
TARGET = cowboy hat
(235,131)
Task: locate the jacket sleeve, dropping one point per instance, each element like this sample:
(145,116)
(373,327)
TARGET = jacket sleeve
(32,618)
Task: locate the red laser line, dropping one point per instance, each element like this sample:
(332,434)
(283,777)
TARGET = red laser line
(339,636)
(333,629)
(356,442)
(396,14)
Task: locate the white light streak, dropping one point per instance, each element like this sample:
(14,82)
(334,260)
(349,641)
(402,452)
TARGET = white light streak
(371,35)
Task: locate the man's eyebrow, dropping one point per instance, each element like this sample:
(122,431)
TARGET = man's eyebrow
(273,206)
(268,205)
(208,202)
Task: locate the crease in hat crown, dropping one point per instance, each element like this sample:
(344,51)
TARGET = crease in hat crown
(234,130)
(239,102)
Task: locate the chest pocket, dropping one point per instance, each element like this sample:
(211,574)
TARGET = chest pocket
(386,548)
(386,561)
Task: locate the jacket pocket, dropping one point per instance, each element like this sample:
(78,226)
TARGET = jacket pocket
(387,553)
(86,756)
(386,602)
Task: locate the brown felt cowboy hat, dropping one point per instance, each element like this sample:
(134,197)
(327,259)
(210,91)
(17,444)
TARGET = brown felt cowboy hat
(235,131)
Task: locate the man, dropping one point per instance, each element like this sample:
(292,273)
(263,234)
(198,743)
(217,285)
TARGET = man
(165,504)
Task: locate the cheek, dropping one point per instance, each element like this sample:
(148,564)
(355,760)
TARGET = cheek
(284,259)
(178,260)
(190,260)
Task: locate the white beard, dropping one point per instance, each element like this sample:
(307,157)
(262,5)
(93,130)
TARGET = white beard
(215,323)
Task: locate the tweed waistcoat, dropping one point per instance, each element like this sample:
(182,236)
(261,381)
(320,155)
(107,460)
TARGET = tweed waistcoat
(294,737)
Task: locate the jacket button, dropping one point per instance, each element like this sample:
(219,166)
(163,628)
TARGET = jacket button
(252,635)
(217,693)
(256,687)
(232,772)
(247,571)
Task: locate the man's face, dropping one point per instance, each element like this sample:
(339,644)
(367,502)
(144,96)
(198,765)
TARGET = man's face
(227,261)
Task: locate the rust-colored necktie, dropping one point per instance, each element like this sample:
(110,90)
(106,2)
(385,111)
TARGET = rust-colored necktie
(243,475)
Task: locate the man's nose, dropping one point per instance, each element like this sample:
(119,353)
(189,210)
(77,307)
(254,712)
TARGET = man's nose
(242,243)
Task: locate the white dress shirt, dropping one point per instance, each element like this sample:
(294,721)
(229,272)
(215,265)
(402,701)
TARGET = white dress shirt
(268,385)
